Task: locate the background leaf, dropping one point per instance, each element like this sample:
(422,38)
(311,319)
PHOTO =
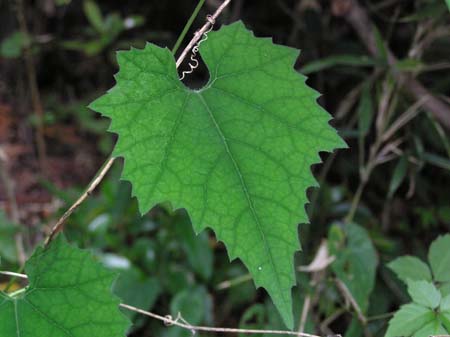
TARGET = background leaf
(425,293)
(408,320)
(410,268)
(236,154)
(439,257)
(433,328)
(356,261)
(68,294)
(444,314)
(136,290)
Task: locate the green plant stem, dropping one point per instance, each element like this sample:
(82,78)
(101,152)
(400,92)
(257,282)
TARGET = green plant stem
(355,203)
(187,26)
(18,292)
(234,282)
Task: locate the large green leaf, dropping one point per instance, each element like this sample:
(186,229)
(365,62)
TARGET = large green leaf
(439,257)
(236,154)
(409,319)
(69,294)
(410,268)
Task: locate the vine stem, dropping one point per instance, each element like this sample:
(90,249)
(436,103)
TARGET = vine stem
(168,320)
(198,34)
(187,26)
(107,165)
(10,273)
(94,183)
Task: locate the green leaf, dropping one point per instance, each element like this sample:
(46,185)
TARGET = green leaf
(12,46)
(445,289)
(445,304)
(236,154)
(445,319)
(410,268)
(436,160)
(356,261)
(448,4)
(337,60)
(196,247)
(444,314)
(433,328)
(408,320)
(192,304)
(94,15)
(136,290)
(425,293)
(409,64)
(365,111)
(398,176)
(69,294)
(439,257)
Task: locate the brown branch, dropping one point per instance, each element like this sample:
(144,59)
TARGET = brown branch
(357,17)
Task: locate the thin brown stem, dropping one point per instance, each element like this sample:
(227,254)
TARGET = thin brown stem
(97,180)
(198,34)
(180,322)
(355,202)
(304,315)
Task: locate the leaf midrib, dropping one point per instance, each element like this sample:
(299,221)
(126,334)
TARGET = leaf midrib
(244,188)
(16,318)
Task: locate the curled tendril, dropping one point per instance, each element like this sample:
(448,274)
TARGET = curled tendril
(193,64)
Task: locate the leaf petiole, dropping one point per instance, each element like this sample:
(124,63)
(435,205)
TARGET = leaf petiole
(187,26)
